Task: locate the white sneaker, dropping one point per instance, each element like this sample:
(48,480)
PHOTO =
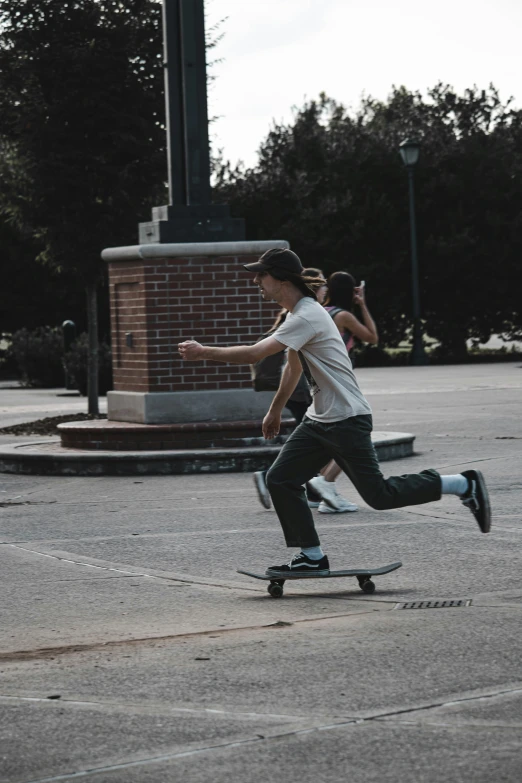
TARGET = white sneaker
(324,509)
(328,491)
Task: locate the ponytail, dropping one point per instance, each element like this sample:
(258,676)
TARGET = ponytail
(306,284)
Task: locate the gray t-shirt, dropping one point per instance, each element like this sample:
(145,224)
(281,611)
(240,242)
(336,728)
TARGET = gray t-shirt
(336,394)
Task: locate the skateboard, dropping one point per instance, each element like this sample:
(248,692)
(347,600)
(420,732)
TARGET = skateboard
(363,576)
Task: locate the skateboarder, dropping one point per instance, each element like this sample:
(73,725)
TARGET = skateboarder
(298,403)
(337,425)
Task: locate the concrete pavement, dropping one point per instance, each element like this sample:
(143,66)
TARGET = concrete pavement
(130,649)
(19,404)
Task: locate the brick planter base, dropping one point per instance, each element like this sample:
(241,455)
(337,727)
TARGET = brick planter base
(125,436)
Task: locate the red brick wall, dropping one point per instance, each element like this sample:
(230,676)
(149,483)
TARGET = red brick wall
(164,301)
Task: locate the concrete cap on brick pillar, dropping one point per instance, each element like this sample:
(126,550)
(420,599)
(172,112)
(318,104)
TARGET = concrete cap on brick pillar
(191,250)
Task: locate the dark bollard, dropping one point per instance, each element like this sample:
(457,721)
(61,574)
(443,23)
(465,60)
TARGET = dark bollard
(69,336)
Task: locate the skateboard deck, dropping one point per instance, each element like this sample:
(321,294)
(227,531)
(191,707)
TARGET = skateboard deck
(363,576)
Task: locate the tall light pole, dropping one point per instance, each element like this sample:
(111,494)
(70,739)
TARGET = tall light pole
(409,150)
(190,215)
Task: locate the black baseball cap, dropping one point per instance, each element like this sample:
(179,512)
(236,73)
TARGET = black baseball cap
(277,258)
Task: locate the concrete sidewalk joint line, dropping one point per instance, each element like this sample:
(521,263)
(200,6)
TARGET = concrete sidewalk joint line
(184,579)
(14,502)
(484,459)
(214,532)
(43,652)
(443,704)
(153,707)
(80,563)
(252,740)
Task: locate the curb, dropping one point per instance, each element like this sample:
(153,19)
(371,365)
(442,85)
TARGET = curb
(49,458)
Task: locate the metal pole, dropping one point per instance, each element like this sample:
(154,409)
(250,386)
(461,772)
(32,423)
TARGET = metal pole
(190,215)
(418,354)
(68,336)
(177,165)
(184,62)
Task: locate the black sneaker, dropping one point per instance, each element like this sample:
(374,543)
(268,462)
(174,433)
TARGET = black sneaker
(262,490)
(477,499)
(301,564)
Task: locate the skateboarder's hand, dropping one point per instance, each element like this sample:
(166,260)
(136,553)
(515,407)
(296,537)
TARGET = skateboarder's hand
(271,424)
(190,350)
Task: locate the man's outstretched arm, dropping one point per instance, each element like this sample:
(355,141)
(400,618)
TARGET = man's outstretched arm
(193,351)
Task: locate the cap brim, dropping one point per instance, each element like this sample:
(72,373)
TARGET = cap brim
(257,266)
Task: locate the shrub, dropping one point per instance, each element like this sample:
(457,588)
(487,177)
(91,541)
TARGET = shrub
(8,367)
(38,355)
(75,361)
(375,356)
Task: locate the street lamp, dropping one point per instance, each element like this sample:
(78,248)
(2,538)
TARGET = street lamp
(409,150)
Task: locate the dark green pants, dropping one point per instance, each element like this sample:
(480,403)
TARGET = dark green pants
(348,442)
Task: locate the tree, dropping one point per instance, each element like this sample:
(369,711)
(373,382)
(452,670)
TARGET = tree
(469,192)
(81,126)
(332,184)
(328,186)
(32,294)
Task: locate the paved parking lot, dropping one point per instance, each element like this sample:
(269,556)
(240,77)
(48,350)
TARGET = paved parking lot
(131,650)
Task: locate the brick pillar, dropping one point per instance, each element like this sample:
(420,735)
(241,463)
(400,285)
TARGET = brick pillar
(163,294)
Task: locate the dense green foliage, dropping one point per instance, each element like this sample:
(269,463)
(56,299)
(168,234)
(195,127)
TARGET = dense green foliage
(75,361)
(38,356)
(333,185)
(81,85)
(82,155)
(33,294)
(82,160)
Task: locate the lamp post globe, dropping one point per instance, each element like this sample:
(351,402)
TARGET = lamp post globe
(409,151)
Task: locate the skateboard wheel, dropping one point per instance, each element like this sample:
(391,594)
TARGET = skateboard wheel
(275,589)
(368,586)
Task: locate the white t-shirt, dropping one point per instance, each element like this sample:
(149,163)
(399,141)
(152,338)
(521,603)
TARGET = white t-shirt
(336,393)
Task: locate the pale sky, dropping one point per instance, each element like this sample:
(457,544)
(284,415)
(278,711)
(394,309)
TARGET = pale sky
(278,53)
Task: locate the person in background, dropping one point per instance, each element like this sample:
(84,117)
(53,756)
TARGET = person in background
(337,298)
